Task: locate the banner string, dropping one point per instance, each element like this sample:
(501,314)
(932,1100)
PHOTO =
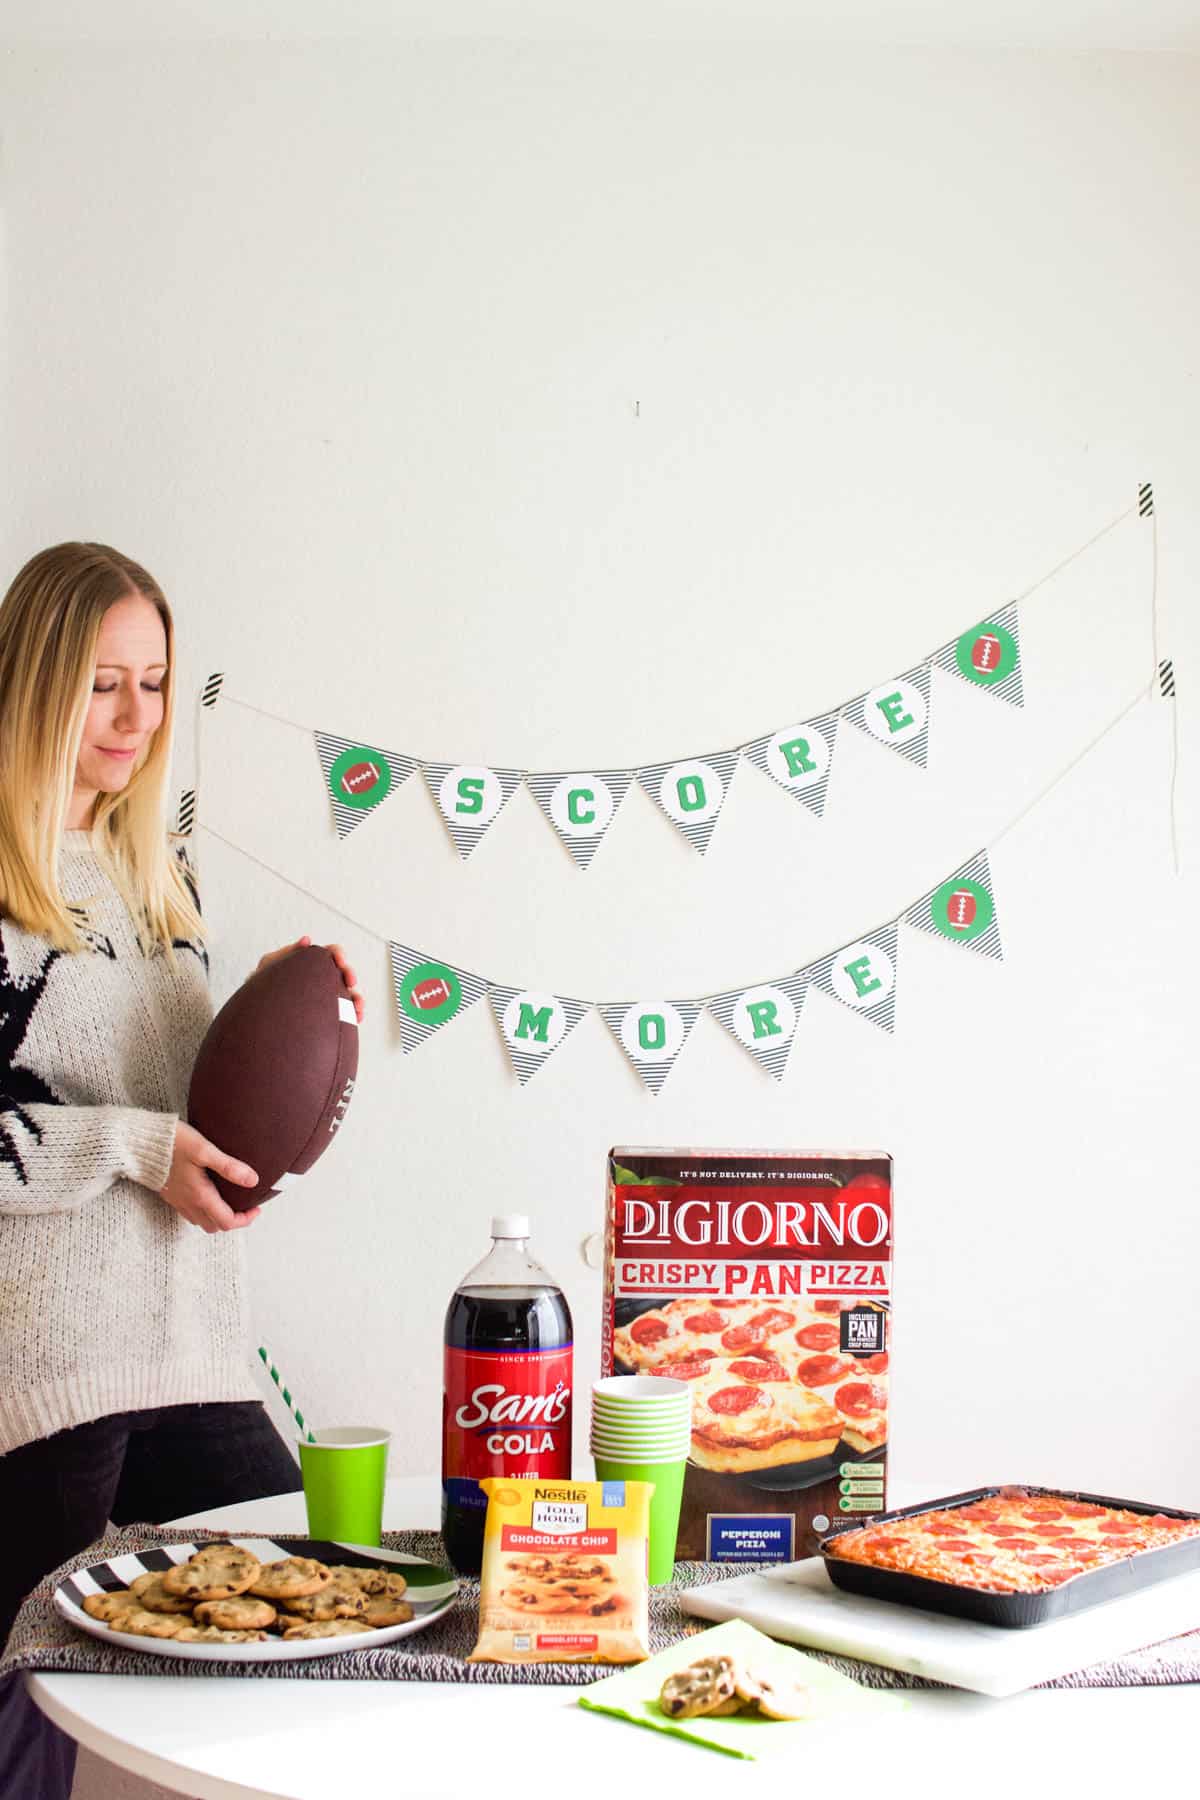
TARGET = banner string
(1017,600)
(895,918)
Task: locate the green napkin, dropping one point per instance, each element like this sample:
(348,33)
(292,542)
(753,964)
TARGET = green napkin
(633,1693)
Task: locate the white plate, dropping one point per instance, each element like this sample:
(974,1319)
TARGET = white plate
(431,1592)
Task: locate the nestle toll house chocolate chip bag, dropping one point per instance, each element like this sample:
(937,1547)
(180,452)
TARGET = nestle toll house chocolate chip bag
(763,1279)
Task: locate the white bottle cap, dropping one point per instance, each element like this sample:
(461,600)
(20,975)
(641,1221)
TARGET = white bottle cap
(510,1225)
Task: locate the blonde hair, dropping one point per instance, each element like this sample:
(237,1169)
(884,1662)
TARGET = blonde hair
(49,626)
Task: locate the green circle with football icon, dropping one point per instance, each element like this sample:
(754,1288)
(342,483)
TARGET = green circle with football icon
(986,653)
(431,993)
(962,909)
(360,778)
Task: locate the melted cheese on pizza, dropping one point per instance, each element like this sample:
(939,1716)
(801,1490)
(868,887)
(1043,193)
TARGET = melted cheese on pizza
(1010,1543)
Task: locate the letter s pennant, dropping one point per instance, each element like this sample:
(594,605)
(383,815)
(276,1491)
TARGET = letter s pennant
(470,798)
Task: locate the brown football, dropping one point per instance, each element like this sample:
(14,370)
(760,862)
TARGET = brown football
(275,1073)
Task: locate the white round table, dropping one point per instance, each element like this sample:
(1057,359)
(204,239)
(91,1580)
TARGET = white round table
(320,1740)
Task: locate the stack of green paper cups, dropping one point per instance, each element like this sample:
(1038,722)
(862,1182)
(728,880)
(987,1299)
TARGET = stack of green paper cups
(642,1431)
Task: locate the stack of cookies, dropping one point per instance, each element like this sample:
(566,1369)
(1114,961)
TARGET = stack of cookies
(225,1595)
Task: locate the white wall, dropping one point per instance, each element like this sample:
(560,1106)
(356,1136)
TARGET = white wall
(562,407)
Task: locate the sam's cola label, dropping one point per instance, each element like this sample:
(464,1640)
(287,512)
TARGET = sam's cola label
(506,1412)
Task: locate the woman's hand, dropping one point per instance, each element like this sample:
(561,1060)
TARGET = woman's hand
(339,957)
(190,1191)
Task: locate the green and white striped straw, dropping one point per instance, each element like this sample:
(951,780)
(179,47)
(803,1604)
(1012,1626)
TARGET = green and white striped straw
(277,1378)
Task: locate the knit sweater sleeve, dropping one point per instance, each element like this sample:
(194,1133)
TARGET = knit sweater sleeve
(55,1157)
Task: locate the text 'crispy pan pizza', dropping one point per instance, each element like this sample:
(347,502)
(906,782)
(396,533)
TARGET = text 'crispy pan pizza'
(275,1073)
(770,1384)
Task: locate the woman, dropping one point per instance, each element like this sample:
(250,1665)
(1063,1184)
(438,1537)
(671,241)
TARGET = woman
(126,1386)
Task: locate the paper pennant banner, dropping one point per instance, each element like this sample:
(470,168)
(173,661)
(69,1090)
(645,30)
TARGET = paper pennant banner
(988,656)
(763,1019)
(962,909)
(429,993)
(897,714)
(358,777)
(470,797)
(533,1025)
(862,975)
(580,808)
(799,758)
(691,793)
(652,1033)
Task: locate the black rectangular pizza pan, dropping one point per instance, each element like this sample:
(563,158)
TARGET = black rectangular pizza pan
(1014,1611)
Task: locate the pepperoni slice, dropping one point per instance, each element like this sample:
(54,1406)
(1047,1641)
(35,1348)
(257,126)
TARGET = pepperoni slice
(1038,1557)
(1078,1509)
(648,1330)
(1121,1525)
(735,1399)
(725,1305)
(817,1337)
(772,1319)
(831,1306)
(759,1368)
(1052,1531)
(1038,1509)
(946,1530)
(685,1368)
(858,1398)
(704,1321)
(978,1559)
(878,1363)
(819,1371)
(1018,1543)
(741,1337)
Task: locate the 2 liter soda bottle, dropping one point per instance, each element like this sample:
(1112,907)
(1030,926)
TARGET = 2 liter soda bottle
(506,1396)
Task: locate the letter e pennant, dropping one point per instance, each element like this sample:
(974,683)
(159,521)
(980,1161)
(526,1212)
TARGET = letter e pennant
(862,975)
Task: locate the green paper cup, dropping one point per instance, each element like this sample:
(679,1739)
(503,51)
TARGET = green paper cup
(667,1477)
(343,1473)
(648,1445)
(620,1392)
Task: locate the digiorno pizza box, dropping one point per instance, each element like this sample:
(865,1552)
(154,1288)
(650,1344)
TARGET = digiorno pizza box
(762,1278)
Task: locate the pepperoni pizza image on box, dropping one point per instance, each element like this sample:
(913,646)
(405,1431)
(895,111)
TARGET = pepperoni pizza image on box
(763,1279)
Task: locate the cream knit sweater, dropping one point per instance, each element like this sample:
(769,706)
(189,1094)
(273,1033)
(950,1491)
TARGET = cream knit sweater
(109,1301)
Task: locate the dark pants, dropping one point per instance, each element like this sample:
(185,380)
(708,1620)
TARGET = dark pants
(57,1496)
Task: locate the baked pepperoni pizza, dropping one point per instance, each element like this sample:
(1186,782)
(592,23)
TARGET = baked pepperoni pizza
(1013,1542)
(770,1382)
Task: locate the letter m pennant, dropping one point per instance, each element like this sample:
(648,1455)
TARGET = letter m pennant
(533,1025)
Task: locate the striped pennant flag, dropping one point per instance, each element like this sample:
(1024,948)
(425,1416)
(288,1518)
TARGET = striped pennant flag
(763,1019)
(897,714)
(691,793)
(211,690)
(580,808)
(533,1025)
(1145,500)
(988,656)
(651,1033)
(1166,679)
(799,758)
(358,777)
(429,993)
(962,909)
(185,818)
(470,798)
(862,975)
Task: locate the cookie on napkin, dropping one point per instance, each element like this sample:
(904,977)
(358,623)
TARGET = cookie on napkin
(633,1693)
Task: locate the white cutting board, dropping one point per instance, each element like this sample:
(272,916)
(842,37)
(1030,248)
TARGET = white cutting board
(799,1603)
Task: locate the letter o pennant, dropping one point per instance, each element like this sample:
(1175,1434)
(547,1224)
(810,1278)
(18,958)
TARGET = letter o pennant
(652,1033)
